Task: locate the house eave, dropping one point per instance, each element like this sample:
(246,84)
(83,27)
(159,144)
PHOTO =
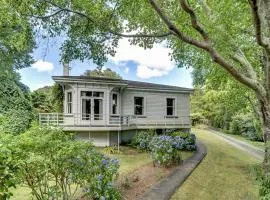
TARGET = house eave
(119,82)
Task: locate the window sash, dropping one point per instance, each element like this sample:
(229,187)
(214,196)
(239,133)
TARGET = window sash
(170,111)
(114,104)
(138,108)
(69,102)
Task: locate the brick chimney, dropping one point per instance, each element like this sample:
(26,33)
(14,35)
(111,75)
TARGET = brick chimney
(66,69)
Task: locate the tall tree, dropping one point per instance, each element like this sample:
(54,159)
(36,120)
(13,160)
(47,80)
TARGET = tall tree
(108,73)
(233,35)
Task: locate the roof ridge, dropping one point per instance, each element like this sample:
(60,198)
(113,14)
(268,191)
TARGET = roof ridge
(131,83)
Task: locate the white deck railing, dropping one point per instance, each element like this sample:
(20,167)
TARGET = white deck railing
(84,120)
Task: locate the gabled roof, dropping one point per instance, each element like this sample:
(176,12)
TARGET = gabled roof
(128,83)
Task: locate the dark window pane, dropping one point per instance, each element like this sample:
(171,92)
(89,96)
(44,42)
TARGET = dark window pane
(69,102)
(69,108)
(114,104)
(138,110)
(169,110)
(86,93)
(138,105)
(170,102)
(114,109)
(97,94)
(138,100)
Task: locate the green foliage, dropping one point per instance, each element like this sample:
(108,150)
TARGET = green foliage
(8,166)
(163,151)
(180,134)
(107,73)
(57,98)
(247,126)
(16,38)
(15,105)
(264,182)
(112,150)
(184,141)
(142,139)
(48,99)
(54,165)
(224,106)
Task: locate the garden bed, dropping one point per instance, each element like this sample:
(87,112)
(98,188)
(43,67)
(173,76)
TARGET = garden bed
(134,184)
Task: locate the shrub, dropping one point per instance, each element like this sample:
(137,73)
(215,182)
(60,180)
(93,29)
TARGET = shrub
(54,165)
(8,166)
(180,134)
(247,126)
(264,182)
(189,140)
(142,139)
(163,151)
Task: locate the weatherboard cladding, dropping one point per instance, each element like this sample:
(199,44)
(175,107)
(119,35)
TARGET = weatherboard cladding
(128,83)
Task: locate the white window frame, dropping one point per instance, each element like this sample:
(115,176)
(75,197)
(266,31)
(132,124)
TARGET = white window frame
(174,107)
(143,105)
(69,102)
(117,104)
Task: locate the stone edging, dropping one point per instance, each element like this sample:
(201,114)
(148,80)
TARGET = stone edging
(167,186)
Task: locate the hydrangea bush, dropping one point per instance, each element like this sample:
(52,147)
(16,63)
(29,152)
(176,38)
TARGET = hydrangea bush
(163,150)
(54,166)
(142,139)
(100,186)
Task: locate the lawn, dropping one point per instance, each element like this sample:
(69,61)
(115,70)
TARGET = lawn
(225,173)
(257,144)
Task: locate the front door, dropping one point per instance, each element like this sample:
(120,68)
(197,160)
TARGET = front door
(92,107)
(97,109)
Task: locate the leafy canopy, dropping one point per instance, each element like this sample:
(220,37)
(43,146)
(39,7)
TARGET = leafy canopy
(107,73)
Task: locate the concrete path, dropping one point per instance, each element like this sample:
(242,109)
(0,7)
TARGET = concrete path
(166,188)
(250,149)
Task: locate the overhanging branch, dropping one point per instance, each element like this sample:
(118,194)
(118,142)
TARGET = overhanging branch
(195,24)
(257,24)
(207,46)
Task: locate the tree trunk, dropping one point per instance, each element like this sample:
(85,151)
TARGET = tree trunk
(265,110)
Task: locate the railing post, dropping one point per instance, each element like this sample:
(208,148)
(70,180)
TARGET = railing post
(128,118)
(57,118)
(39,118)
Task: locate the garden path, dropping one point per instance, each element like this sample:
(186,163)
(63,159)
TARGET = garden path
(250,149)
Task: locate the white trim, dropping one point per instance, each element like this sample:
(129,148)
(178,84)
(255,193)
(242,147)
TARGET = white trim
(118,104)
(174,107)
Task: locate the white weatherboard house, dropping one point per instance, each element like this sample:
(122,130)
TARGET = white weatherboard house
(110,111)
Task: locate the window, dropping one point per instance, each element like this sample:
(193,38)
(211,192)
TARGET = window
(170,107)
(114,104)
(138,105)
(86,93)
(91,94)
(69,102)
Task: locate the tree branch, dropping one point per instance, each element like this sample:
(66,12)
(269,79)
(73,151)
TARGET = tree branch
(257,24)
(48,16)
(175,30)
(62,9)
(154,35)
(242,60)
(195,24)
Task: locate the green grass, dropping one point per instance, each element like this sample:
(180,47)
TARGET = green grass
(225,173)
(257,144)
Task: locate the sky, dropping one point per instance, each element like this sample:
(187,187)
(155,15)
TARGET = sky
(131,62)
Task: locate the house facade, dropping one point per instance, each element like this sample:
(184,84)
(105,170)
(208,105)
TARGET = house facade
(110,111)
